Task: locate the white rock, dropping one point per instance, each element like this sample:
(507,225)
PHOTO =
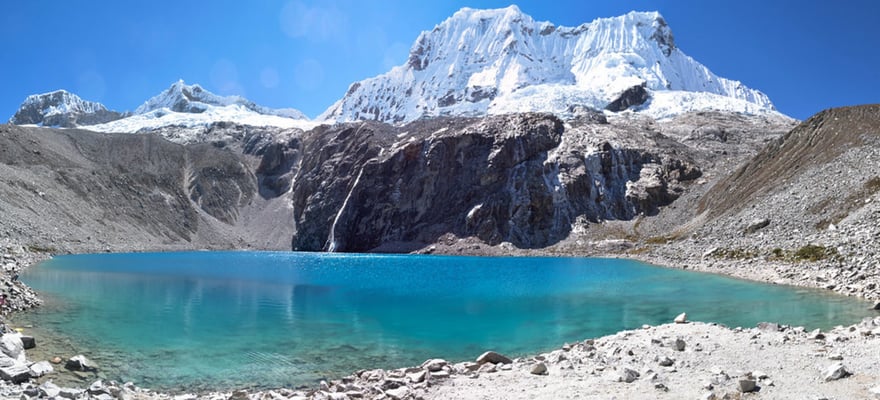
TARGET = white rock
(12,346)
(681,318)
(41,368)
(836,371)
(399,393)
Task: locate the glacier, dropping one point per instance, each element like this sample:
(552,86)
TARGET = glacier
(499,61)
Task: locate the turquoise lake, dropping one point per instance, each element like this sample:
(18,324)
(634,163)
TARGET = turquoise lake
(216,320)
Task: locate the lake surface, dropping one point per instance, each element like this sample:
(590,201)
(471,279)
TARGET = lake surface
(217,320)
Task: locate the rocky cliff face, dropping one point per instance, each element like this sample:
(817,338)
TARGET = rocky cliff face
(523,179)
(528,180)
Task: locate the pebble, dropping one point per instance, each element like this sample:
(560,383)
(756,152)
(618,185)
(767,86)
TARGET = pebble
(681,318)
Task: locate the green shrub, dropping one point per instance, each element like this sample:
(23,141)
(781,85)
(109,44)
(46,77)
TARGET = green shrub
(813,252)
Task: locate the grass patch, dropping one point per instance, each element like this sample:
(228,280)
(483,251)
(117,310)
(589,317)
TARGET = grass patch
(813,252)
(735,254)
(38,248)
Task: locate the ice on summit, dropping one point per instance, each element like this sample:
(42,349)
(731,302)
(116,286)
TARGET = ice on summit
(481,62)
(184,98)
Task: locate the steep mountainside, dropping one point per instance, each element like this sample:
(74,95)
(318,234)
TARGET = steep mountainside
(63,109)
(526,179)
(501,61)
(811,195)
(78,190)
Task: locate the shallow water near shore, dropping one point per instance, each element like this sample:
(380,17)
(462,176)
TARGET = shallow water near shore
(213,320)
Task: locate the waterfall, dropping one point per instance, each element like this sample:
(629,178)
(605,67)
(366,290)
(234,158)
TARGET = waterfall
(332,246)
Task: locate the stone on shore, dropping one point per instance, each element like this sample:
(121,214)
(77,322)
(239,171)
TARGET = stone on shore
(747,385)
(28,342)
(836,371)
(876,306)
(628,375)
(679,344)
(41,368)
(398,393)
(15,373)
(493,357)
(539,369)
(681,318)
(666,361)
(11,345)
(434,365)
(81,363)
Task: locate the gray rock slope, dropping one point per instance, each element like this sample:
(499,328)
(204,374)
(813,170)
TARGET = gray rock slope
(527,180)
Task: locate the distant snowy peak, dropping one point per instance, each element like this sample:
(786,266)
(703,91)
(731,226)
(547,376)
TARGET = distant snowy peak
(61,108)
(481,62)
(184,98)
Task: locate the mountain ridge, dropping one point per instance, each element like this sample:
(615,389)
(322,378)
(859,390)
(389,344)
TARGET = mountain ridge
(480,62)
(62,109)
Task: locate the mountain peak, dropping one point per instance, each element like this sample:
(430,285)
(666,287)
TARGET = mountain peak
(195,99)
(61,108)
(480,62)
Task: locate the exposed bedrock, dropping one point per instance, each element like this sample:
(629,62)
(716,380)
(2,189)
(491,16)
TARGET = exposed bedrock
(522,179)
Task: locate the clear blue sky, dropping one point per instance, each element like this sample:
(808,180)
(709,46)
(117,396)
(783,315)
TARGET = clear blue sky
(806,55)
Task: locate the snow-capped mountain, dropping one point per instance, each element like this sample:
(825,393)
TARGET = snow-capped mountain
(181,105)
(61,108)
(481,62)
(184,98)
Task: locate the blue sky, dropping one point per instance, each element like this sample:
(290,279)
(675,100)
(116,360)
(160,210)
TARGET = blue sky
(805,55)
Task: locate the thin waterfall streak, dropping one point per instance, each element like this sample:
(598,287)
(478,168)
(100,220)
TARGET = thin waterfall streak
(332,239)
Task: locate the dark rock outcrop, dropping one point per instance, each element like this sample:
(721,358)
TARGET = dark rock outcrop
(499,179)
(634,96)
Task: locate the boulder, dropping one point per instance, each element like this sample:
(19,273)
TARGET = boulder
(493,357)
(681,318)
(769,326)
(28,342)
(81,363)
(836,371)
(628,375)
(757,224)
(16,373)
(12,346)
(418,377)
(41,368)
(434,365)
(747,385)
(399,393)
(876,306)
(539,369)
(49,389)
(666,361)
(679,344)
(70,393)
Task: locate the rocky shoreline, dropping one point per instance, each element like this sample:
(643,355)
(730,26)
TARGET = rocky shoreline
(678,360)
